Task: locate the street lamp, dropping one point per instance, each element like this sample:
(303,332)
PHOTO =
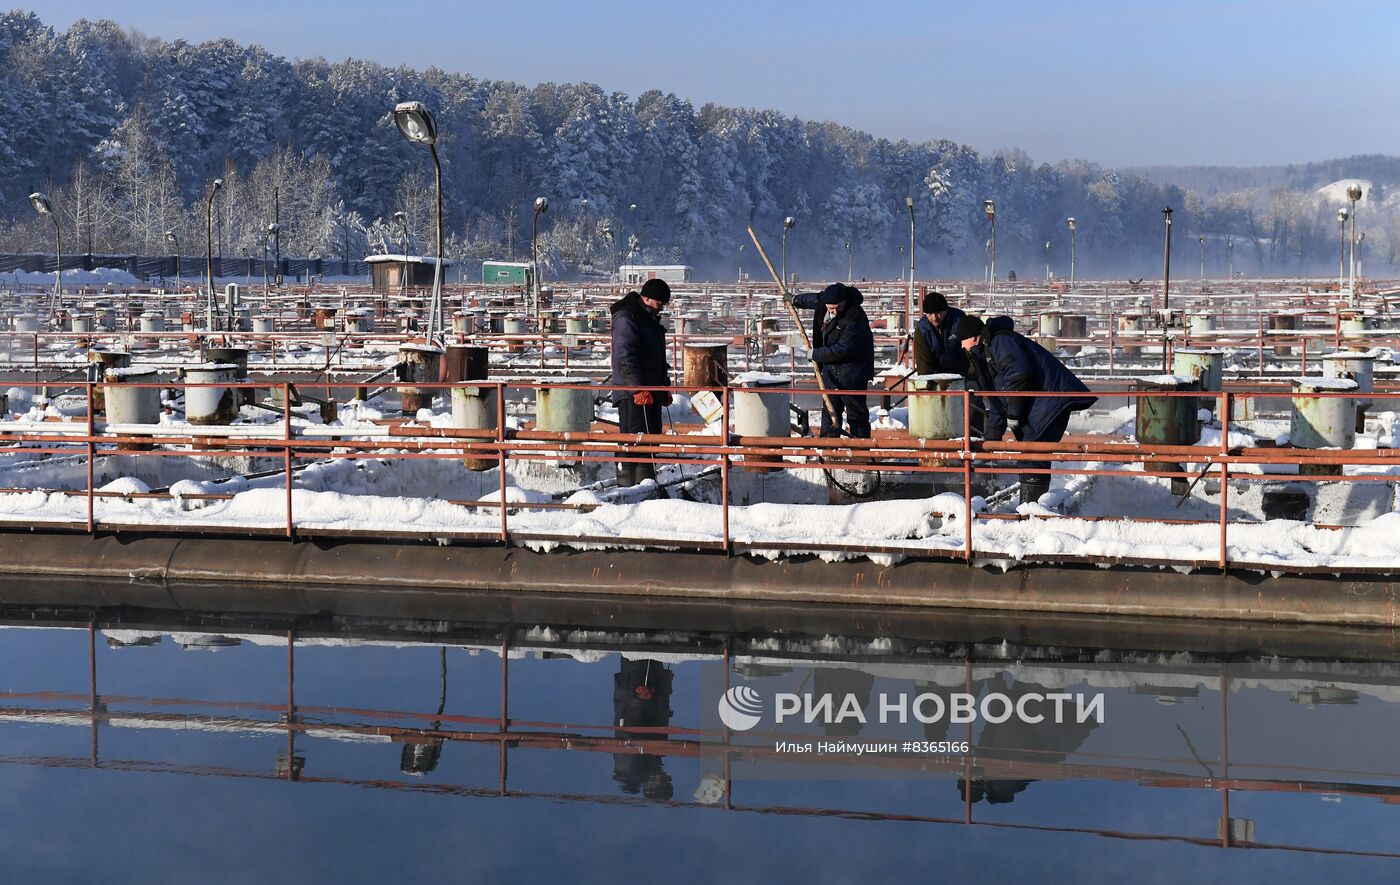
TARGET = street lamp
(1360,242)
(1353,194)
(990,207)
(1230,258)
(402,221)
(1166,283)
(607,233)
(787,226)
(416,124)
(741,262)
(1342,216)
(910,308)
(170,235)
(850,263)
(272,231)
(40,201)
(1203,259)
(541,207)
(1073,226)
(209,250)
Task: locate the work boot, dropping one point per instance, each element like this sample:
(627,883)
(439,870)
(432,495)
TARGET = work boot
(626,475)
(1032,487)
(644,473)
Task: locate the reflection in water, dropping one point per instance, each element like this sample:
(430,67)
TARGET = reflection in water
(642,699)
(1226,749)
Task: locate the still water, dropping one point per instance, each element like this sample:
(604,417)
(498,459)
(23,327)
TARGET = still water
(192,746)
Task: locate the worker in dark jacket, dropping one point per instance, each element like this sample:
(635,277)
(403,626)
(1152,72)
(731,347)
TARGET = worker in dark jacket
(937,349)
(843,347)
(639,360)
(999,358)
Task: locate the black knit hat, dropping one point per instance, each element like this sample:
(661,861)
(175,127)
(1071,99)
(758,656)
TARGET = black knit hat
(657,290)
(935,302)
(836,293)
(969,327)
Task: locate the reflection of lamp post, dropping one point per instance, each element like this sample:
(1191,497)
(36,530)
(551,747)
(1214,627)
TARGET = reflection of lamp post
(417,125)
(850,262)
(990,207)
(40,201)
(175,240)
(1342,216)
(787,226)
(419,759)
(541,207)
(1073,226)
(209,250)
(1353,194)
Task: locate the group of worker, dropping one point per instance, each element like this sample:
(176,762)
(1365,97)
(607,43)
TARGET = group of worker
(990,356)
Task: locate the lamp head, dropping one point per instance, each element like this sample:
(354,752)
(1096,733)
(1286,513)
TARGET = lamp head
(400,218)
(1353,192)
(40,201)
(218,183)
(415,122)
(789,222)
(541,205)
(170,235)
(274,228)
(990,208)
(1203,241)
(1071,223)
(1343,214)
(909,202)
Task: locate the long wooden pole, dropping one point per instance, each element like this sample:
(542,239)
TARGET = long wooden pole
(796,318)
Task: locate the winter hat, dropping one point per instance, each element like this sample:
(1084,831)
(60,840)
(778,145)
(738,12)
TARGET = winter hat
(657,290)
(969,327)
(835,293)
(934,302)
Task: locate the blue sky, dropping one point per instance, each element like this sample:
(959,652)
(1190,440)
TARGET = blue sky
(1130,82)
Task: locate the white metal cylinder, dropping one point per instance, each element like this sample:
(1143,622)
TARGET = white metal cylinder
(936,417)
(565,410)
(211,405)
(126,404)
(759,409)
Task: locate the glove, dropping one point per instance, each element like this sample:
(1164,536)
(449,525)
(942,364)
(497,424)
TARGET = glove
(788,296)
(643,398)
(663,398)
(1014,425)
(801,354)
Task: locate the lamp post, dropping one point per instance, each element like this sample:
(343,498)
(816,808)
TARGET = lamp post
(1353,194)
(901,262)
(787,226)
(1203,260)
(1342,216)
(1230,259)
(612,244)
(910,307)
(850,262)
(416,124)
(209,250)
(541,207)
(1166,283)
(41,203)
(1073,226)
(1360,242)
(274,231)
(175,240)
(402,221)
(267,238)
(741,262)
(990,207)
(1047,261)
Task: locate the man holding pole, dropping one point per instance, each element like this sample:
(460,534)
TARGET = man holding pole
(843,350)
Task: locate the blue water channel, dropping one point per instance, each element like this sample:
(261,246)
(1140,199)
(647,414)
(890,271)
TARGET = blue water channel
(180,754)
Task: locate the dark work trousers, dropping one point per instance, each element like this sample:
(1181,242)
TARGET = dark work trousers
(855,410)
(1033,485)
(632,418)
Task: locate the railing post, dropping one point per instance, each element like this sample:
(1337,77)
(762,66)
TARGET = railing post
(724,472)
(287,454)
(967,475)
(91,453)
(501,457)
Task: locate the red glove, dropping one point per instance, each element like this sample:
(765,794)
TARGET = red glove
(663,398)
(643,398)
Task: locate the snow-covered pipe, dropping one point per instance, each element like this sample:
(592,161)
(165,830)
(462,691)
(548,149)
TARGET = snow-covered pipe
(81,324)
(461,322)
(132,405)
(515,325)
(262,324)
(936,417)
(418,362)
(1167,420)
(106,318)
(211,405)
(1355,327)
(576,325)
(761,410)
(152,322)
(1323,422)
(359,321)
(566,410)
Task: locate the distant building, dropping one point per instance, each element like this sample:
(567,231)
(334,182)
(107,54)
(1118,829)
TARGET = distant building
(634,274)
(506,273)
(387,271)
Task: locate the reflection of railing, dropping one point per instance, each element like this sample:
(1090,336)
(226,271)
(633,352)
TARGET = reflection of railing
(330,723)
(956,459)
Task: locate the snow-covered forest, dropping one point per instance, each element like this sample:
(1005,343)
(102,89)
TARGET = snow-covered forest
(127,133)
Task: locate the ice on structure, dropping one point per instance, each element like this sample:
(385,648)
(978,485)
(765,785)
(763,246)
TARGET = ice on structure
(1325,384)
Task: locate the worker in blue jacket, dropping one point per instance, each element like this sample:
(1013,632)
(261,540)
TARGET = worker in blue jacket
(937,349)
(843,347)
(1000,358)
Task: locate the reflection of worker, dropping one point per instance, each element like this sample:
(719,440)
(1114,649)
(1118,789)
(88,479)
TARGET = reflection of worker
(642,699)
(840,682)
(1040,743)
